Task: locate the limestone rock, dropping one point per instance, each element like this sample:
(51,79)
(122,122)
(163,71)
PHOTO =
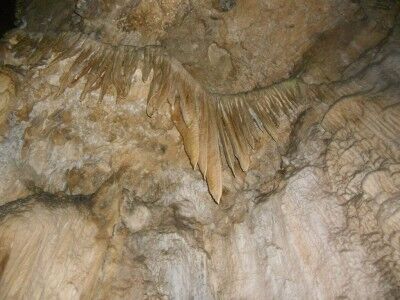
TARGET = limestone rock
(100,201)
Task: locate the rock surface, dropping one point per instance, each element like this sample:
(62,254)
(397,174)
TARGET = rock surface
(99,201)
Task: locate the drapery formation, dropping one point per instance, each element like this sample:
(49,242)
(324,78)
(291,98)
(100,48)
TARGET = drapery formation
(213,127)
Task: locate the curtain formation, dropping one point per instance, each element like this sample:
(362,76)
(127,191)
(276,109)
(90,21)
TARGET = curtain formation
(213,127)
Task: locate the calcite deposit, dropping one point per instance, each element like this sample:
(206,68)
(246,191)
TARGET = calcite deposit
(213,149)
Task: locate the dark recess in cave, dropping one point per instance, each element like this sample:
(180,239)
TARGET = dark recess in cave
(7,16)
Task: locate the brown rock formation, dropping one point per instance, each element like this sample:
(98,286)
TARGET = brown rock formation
(290,110)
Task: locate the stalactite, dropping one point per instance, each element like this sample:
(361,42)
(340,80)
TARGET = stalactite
(212,126)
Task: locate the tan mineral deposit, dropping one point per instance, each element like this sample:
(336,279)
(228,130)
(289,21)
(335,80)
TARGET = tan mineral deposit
(209,149)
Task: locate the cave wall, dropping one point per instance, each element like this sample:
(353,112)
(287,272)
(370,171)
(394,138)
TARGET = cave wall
(99,201)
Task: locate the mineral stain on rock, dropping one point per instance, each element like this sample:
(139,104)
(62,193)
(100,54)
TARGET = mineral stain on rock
(226,5)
